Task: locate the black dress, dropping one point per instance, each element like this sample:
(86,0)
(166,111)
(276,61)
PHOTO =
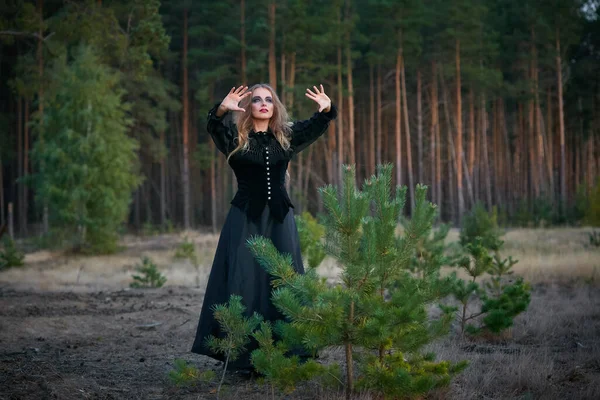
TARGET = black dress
(260,207)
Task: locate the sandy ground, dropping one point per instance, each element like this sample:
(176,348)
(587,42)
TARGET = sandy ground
(71,328)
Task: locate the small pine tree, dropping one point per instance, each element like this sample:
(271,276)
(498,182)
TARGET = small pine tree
(149,275)
(479,223)
(273,360)
(236,329)
(501,298)
(185,374)
(10,256)
(378,312)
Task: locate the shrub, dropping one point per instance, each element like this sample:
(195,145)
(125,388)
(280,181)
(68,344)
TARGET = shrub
(149,276)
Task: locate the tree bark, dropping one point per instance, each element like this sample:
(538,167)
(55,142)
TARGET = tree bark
(471,140)
(419,128)
(163,185)
(292,82)
(350,91)
(26,168)
(371,158)
(340,120)
(409,169)
(486,170)
(379,115)
(459,150)
(434,142)
(561,126)
(272,59)
(398,120)
(243,41)
(40,59)
(185,126)
(282,73)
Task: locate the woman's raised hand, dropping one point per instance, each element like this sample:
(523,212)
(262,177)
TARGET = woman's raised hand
(320,97)
(233,98)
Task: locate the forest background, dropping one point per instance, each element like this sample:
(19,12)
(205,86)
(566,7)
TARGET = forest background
(494,101)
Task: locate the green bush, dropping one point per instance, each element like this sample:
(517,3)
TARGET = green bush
(149,276)
(10,255)
(185,374)
(478,223)
(502,297)
(592,209)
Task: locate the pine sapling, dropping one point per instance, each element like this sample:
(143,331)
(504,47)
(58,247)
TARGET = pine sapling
(186,374)
(148,275)
(378,312)
(281,367)
(10,256)
(236,329)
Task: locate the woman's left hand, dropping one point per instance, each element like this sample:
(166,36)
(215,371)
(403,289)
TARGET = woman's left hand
(320,97)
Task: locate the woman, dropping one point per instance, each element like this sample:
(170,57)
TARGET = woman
(258,147)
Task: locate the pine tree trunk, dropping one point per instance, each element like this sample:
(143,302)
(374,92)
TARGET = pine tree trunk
(550,140)
(496,154)
(371,158)
(26,169)
(538,120)
(484,124)
(398,121)
(350,91)
(307,173)
(407,135)
(40,59)
(379,115)
(243,42)
(272,59)
(163,185)
(340,106)
(459,150)
(471,140)
(21,167)
(438,147)
(330,153)
(434,143)
(292,82)
(509,189)
(184,125)
(282,72)
(451,154)
(349,361)
(419,128)
(561,126)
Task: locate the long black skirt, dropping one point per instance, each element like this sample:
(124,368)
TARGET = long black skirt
(235,271)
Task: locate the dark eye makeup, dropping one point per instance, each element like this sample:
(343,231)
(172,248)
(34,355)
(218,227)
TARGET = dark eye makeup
(258,98)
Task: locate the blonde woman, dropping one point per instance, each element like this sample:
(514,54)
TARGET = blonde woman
(258,144)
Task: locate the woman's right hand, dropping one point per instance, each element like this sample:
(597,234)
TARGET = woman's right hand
(233,98)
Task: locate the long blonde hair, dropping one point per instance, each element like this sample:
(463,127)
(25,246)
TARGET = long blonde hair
(279,123)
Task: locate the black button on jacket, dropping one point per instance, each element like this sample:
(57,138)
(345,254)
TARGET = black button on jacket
(260,171)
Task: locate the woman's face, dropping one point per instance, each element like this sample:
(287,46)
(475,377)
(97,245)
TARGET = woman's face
(262,103)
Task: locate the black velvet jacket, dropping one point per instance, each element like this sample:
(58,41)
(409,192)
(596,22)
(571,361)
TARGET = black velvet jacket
(260,171)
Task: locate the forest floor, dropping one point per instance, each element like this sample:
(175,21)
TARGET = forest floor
(71,328)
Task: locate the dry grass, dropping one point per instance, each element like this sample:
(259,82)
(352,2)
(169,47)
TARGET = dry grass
(57,271)
(550,255)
